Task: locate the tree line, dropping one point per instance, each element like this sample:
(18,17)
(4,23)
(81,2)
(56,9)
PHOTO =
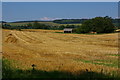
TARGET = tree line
(98,24)
(116,22)
(70,21)
(37,25)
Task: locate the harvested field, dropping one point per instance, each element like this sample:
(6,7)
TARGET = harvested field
(63,52)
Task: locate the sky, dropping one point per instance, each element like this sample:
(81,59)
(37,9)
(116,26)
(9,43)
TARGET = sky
(19,11)
(0,11)
(60,0)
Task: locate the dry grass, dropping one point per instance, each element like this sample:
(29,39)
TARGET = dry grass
(55,51)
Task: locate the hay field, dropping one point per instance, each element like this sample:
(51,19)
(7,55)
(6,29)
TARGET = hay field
(63,52)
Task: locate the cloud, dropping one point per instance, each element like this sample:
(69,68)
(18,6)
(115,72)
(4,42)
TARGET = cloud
(49,19)
(117,17)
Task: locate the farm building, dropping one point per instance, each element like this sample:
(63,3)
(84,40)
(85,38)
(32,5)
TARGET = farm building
(118,30)
(92,32)
(68,30)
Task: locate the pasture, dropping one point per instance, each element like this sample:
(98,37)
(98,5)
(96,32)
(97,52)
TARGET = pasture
(46,23)
(51,51)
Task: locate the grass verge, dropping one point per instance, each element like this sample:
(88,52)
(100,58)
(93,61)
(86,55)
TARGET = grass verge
(101,62)
(9,72)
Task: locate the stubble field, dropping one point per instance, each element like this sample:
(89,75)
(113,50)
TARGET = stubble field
(51,51)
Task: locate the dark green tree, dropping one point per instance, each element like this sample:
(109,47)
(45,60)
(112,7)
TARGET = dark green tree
(86,27)
(36,25)
(29,25)
(97,24)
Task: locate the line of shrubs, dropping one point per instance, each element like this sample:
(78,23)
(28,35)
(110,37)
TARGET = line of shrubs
(97,24)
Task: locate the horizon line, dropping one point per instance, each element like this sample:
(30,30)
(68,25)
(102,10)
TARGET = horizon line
(52,20)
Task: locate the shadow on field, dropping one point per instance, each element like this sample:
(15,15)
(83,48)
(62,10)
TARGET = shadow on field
(9,73)
(30,74)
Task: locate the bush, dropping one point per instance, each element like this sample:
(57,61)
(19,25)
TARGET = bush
(97,24)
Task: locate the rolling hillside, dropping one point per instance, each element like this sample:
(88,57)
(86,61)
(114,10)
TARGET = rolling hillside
(63,52)
(46,23)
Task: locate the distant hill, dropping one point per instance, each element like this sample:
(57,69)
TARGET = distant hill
(59,22)
(29,21)
(116,22)
(3,22)
(70,21)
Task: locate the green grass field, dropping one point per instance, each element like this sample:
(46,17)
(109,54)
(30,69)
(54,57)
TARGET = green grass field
(46,23)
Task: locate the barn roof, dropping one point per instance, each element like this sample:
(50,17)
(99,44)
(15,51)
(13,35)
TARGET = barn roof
(68,29)
(118,30)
